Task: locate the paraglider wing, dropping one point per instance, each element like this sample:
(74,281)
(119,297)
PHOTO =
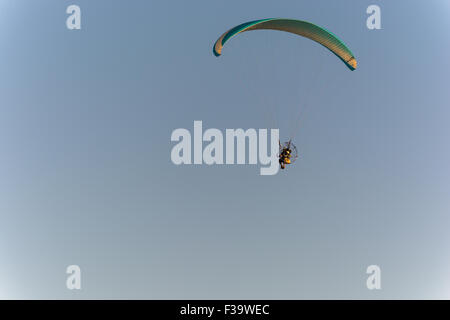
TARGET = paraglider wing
(301,28)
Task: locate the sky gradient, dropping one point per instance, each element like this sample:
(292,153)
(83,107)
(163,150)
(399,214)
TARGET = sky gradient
(86,177)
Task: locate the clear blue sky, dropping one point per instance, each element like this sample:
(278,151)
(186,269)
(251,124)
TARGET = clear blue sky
(86,177)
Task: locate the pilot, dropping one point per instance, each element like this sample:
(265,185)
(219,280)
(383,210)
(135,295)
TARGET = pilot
(285,157)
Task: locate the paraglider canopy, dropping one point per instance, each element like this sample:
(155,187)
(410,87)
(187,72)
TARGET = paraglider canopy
(301,28)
